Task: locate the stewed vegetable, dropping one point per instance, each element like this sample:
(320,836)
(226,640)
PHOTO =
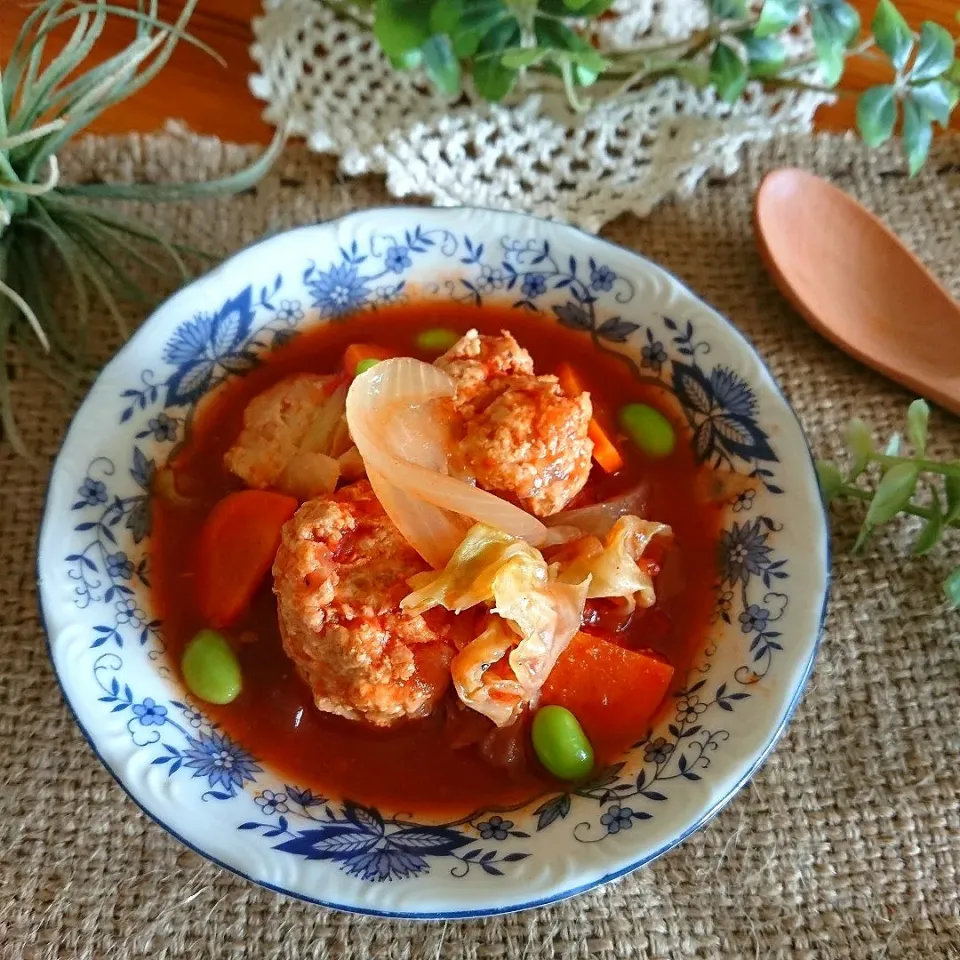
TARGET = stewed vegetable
(560,743)
(649,429)
(210,669)
(436,339)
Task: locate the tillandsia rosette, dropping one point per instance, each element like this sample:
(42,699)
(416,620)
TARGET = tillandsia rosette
(902,481)
(494,47)
(44,102)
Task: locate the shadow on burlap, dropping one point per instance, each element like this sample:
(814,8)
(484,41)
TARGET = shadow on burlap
(845,844)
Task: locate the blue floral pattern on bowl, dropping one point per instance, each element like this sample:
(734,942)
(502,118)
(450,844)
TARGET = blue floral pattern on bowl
(107,645)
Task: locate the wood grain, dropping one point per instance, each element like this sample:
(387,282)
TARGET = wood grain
(214,99)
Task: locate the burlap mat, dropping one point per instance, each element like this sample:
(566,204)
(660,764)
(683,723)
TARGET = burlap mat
(846,844)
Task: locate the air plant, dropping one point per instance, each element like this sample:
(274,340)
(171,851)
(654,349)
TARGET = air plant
(41,108)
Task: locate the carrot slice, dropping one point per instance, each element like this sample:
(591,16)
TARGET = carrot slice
(235,551)
(358,352)
(612,691)
(604,450)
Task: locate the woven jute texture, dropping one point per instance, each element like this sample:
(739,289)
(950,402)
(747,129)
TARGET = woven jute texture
(845,844)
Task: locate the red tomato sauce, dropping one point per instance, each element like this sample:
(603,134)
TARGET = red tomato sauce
(414,766)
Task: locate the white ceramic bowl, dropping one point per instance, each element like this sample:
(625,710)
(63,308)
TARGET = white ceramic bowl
(207,790)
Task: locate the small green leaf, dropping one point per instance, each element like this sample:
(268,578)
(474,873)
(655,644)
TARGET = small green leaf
(860,444)
(589,64)
(766,55)
(559,8)
(839,18)
(442,65)
(917,136)
(932,530)
(951,588)
(934,100)
(951,486)
(893,493)
(401,25)
(729,9)
(892,449)
(876,114)
(777,16)
(728,73)
(918,419)
(492,80)
(835,26)
(483,15)
(407,61)
(893,35)
(445,16)
(830,480)
(520,57)
(935,53)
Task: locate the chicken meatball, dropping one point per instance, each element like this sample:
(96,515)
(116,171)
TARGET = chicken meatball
(530,444)
(339,577)
(275,424)
(478,364)
(521,436)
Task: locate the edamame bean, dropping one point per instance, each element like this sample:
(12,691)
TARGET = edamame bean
(649,429)
(437,339)
(364,365)
(210,668)
(560,743)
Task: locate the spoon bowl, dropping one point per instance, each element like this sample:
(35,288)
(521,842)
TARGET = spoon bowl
(858,285)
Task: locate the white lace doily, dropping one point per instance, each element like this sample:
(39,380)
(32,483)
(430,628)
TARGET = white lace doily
(326,79)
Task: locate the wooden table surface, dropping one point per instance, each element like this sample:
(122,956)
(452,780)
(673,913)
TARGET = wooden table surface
(213,99)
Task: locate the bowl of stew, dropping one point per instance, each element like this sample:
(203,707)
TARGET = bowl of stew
(433,563)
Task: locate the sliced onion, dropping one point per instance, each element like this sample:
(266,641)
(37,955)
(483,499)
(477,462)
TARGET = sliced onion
(434,533)
(401,433)
(598,518)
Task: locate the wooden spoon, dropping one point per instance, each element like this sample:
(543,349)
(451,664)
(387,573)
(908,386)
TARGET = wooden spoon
(853,280)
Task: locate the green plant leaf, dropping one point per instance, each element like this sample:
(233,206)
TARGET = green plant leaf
(442,65)
(729,9)
(728,73)
(777,16)
(893,35)
(835,26)
(445,16)
(860,444)
(876,114)
(918,420)
(587,62)
(482,16)
(407,61)
(932,529)
(830,480)
(951,588)
(766,55)
(519,57)
(951,486)
(559,8)
(893,493)
(934,99)
(917,135)
(401,25)
(935,53)
(492,80)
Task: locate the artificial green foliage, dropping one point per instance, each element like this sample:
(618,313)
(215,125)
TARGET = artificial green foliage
(549,42)
(46,225)
(890,488)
